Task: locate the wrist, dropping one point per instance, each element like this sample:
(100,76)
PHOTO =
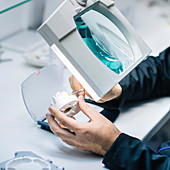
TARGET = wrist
(118,92)
(112,138)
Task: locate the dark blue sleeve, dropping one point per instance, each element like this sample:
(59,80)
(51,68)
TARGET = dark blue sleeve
(150,79)
(132,154)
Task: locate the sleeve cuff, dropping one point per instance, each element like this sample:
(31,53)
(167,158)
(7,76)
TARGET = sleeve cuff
(116,153)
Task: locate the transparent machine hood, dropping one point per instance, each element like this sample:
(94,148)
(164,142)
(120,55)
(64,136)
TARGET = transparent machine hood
(38,90)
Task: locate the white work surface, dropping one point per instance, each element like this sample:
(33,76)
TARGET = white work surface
(18,132)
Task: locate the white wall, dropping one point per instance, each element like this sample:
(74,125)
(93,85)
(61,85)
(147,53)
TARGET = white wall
(20,18)
(50,6)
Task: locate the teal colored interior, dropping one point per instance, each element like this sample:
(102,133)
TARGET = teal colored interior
(97,48)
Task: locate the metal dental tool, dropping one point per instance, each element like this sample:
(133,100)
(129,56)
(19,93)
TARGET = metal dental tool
(78,91)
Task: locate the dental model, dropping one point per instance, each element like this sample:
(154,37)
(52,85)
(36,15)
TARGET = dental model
(66,103)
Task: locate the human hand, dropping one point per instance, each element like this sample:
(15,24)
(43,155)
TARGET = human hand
(96,136)
(114,93)
(75,85)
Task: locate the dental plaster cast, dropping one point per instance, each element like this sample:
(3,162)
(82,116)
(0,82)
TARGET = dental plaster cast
(66,103)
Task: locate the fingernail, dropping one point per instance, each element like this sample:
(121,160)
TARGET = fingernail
(50,109)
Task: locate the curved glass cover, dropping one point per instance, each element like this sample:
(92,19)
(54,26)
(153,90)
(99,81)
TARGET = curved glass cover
(105,40)
(38,89)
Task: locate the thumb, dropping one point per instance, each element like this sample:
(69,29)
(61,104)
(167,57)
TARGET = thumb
(86,109)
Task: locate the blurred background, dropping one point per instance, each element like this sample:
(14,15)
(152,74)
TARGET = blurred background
(19,20)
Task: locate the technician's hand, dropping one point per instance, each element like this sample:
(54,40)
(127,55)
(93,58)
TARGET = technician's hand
(114,93)
(75,85)
(96,136)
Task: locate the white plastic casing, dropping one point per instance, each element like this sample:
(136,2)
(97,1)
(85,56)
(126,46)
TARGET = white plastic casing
(68,104)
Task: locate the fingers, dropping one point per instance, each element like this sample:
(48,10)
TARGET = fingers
(65,120)
(86,109)
(75,85)
(57,130)
(82,93)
